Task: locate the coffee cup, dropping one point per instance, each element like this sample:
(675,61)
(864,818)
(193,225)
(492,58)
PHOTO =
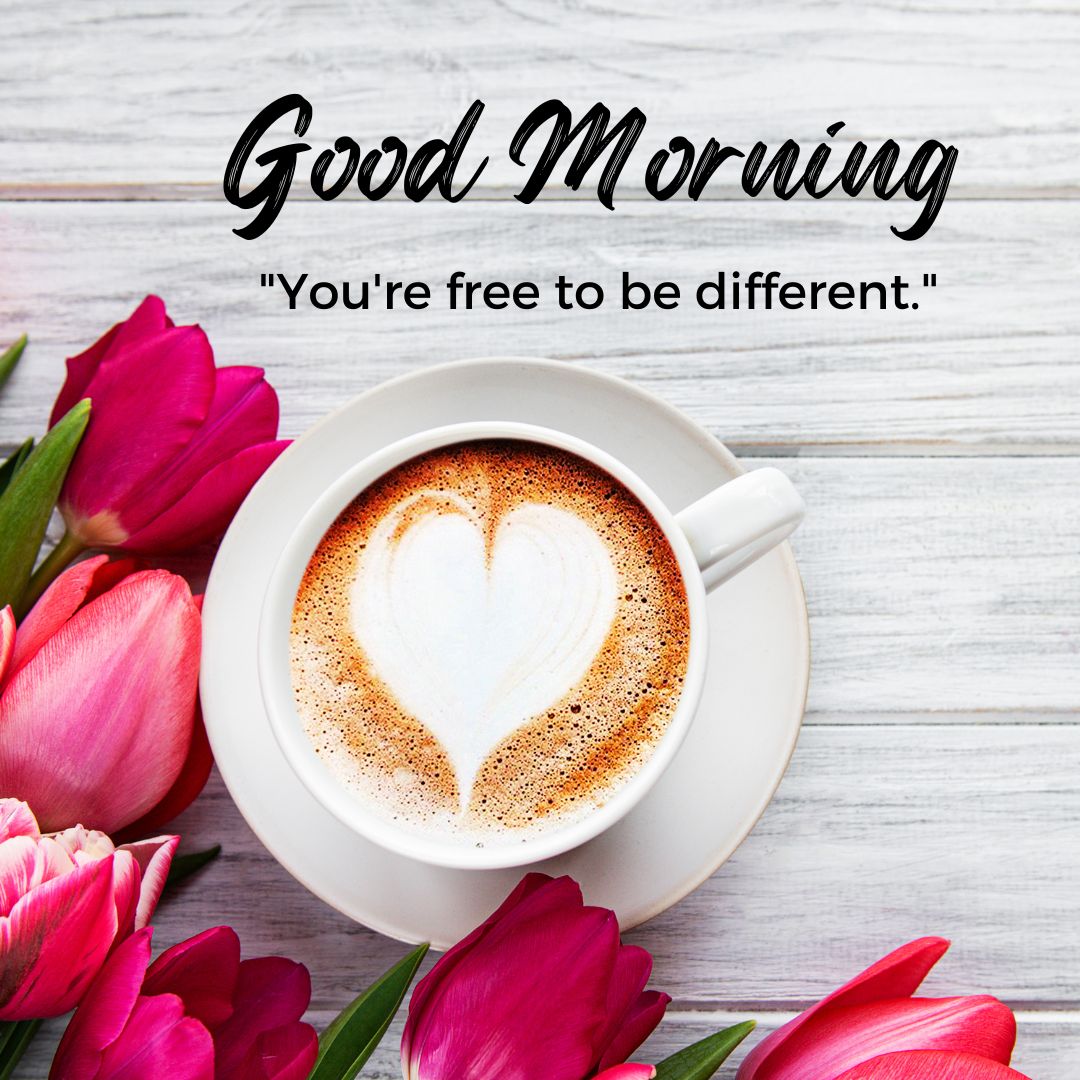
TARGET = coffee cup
(582,586)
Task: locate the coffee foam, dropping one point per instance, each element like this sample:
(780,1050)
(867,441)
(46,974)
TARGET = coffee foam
(489,641)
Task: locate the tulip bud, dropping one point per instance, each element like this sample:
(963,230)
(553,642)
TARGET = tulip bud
(872,1027)
(98,699)
(543,990)
(173,444)
(65,901)
(204,1011)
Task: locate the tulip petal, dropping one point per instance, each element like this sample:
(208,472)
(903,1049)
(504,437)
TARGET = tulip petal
(204,511)
(931,1065)
(18,869)
(54,942)
(629,1071)
(126,881)
(842,1036)
(110,694)
(424,989)
(533,990)
(77,585)
(894,976)
(7,639)
(284,1053)
(633,966)
(147,319)
(192,779)
(203,972)
(160,1041)
(101,1017)
(57,604)
(167,382)
(638,1024)
(243,413)
(80,370)
(26,863)
(154,857)
(270,992)
(17,819)
(243,401)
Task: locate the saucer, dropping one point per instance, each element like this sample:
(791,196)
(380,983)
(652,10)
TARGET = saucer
(699,811)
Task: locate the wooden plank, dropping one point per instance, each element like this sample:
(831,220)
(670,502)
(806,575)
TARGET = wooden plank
(937,585)
(1048,1044)
(987,364)
(877,835)
(941,590)
(153,91)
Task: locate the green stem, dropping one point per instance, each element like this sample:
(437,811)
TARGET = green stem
(57,559)
(14,1039)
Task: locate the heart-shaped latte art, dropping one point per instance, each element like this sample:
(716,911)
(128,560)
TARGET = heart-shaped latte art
(476,635)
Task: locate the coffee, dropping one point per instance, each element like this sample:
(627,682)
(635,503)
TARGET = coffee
(489,641)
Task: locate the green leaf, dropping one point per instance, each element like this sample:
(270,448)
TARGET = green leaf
(26,505)
(10,357)
(353,1035)
(15,1037)
(183,866)
(700,1060)
(14,464)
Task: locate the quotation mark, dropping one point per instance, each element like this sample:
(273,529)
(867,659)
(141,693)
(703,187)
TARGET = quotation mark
(266,279)
(928,280)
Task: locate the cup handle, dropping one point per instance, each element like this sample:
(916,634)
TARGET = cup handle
(741,520)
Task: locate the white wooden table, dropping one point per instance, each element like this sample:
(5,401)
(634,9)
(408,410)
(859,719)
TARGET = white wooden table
(936,786)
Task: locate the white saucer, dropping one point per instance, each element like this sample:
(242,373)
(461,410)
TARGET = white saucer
(703,806)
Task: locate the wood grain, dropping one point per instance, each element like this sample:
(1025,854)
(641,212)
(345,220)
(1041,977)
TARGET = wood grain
(973,833)
(179,82)
(937,585)
(1045,1047)
(973,830)
(946,585)
(987,363)
(941,590)
(935,788)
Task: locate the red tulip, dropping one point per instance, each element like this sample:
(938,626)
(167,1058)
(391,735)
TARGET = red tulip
(543,990)
(196,1013)
(65,900)
(98,716)
(874,1028)
(173,444)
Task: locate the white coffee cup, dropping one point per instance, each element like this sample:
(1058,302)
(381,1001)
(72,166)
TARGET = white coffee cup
(713,539)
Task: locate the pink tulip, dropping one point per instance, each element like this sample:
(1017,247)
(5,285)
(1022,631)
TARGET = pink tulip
(873,1028)
(65,900)
(98,717)
(196,1013)
(173,444)
(543,990)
